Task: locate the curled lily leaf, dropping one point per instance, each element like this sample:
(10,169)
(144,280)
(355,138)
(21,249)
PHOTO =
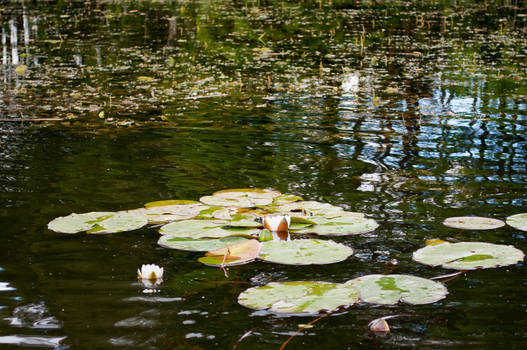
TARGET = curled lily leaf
(277,222)
(150,272)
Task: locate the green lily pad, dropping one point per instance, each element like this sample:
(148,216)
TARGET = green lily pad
(241,198)
(518,221)
(473,223)
(244,220)
(309,208)
(202,229)
(468,255)
(169,202)
(233,254)
(391,289)
(304,252)
(119,222)
(210,213)
(168,213)
(298,297)
(340,226)
(197,245)
(75,223)
(285,199)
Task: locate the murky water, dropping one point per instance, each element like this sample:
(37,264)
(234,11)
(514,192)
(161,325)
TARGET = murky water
(410,112)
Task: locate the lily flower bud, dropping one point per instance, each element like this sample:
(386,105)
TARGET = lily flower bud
(277,222)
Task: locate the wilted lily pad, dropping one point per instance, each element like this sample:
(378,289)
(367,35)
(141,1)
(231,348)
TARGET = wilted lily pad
(468,255)
(518,221)
(197,245)
(233,254)
(304,252)
(473,223)
(391,289)
(298,297)
(202,229)
(242,198)
(340,226)
(75,223)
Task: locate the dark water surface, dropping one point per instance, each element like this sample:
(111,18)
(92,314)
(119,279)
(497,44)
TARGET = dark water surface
(408,111)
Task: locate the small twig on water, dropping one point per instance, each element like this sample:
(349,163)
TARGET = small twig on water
(244,335)
(301,328)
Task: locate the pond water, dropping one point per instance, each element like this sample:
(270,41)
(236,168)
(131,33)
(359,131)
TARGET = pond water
(407,111)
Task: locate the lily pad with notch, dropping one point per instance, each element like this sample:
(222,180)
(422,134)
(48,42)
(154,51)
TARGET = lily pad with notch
(391,289)
(304,252)
(119,222)
(298,297)
(75,223)
(468,255)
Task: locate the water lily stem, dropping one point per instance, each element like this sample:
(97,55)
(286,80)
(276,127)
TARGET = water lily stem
(301,328)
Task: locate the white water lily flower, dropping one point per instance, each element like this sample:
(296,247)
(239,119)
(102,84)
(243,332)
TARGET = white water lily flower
(150,272)
(277,222)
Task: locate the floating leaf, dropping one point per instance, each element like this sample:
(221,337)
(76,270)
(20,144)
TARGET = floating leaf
(231,255)
(75,223)
(340,226)
(518,221)
(304,252)
(119,222)
(202,229)
(285,199)
(242,198)
(391,289)
(468,255)
(244,220)
(169,202)
(168,213)
(309,208)
(247,192)
(197,245)
(209,213)
(473,223)
(300,222)
(298,297)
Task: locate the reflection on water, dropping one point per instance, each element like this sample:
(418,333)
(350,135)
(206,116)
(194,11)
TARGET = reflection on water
(407,111)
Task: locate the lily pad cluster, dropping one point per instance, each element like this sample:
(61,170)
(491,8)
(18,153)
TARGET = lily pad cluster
(222,214)
(312,297)
(228,226)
